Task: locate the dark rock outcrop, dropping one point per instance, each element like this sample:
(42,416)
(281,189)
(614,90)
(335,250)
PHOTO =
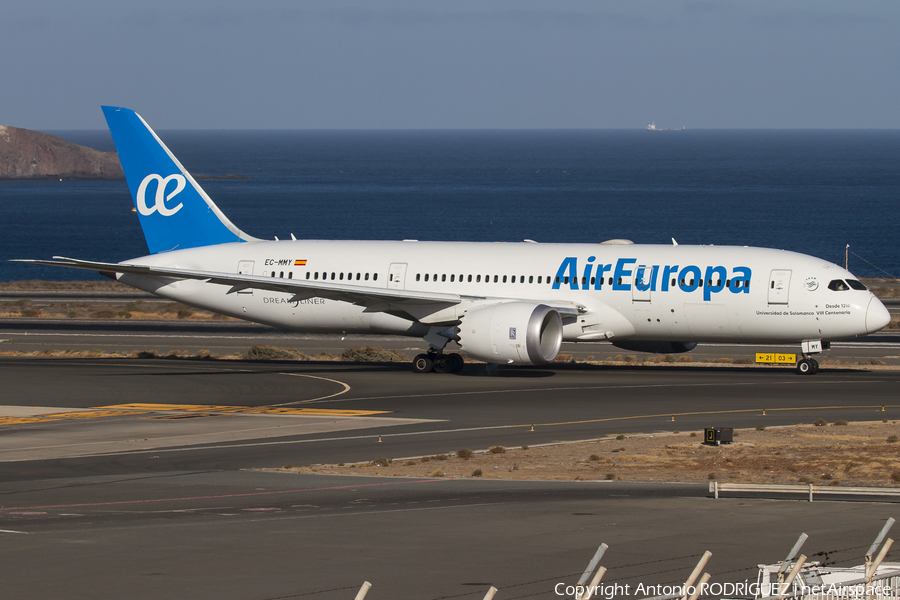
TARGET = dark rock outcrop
(27,154)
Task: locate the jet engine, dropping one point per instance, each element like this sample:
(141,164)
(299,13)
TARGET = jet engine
(521,333)
(656,347)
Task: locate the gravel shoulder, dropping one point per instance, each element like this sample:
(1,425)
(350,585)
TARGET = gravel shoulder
(856,454)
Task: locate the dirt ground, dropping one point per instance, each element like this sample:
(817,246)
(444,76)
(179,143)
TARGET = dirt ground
(855,454)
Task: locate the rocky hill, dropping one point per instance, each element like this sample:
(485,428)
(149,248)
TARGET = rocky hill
(27,154)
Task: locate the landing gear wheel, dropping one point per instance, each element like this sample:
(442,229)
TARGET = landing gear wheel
(806,366)
(443,364)
(422,364)
(456,361)
(815,365)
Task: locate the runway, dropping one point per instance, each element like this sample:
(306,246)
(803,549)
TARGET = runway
(248,535)
(140,478)
(236,337)
(410,413)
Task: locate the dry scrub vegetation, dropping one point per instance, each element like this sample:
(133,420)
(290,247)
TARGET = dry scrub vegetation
(855,454)
(135,309)
(259,352)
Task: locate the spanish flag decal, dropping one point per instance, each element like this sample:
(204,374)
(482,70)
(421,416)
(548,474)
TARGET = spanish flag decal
(300,263)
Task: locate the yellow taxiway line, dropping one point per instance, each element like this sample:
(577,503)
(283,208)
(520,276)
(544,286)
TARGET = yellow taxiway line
(245,410)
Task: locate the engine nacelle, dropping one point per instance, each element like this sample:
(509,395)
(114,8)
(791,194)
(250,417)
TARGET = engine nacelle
(521,333)
(656,347)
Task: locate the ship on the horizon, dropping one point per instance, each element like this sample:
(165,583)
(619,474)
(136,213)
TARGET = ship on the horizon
(652,127)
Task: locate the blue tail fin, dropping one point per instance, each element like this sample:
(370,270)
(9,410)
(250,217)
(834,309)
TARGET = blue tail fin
(174,210)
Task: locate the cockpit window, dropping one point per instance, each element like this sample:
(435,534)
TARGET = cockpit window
(856,285)
(838,285)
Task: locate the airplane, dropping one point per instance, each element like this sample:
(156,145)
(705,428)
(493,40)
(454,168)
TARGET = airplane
(503,303)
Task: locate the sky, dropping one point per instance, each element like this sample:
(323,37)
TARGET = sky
(430,64)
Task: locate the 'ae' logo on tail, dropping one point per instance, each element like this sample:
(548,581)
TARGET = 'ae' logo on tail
(159,204)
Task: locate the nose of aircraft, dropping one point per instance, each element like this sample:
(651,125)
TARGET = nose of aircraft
(877,316)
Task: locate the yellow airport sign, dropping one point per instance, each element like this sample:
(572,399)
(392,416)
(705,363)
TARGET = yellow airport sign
(775,358)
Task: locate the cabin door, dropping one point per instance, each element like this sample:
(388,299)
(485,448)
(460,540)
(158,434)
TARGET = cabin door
(397,276)
(779,286)
(245,267)
(640,289)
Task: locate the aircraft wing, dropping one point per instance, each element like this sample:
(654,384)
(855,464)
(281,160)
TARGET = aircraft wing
(300,288)
(418,305)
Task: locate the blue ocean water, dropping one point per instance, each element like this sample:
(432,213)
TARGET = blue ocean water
(808,191)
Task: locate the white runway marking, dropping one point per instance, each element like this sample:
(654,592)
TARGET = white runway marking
(344,391)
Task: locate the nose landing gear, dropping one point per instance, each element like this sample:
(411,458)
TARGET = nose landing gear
(807,366)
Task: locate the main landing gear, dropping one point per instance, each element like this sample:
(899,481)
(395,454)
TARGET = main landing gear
(435,359)
(438,362)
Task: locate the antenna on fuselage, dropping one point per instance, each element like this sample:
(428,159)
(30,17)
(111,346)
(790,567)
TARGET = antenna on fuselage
(846,257)
(674,243)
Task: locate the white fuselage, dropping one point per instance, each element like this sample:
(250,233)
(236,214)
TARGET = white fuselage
(648,292)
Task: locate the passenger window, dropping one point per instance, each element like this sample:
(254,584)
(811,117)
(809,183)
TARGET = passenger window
(290,275)
(443,278)
(477,278)
(426,276)
(583,280)
(557,279)
(610,281)
(375,277)
(592,280)
(838,285)
(856,285)
(341,277)
(452,277)
(539,278)
(674,283)
(332,276)
(495,279)
(307,274)
(281,275)
(620,281)
(531,279)
(358,276)
(470,279)
(367,276)
(316,275)
(504,279)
